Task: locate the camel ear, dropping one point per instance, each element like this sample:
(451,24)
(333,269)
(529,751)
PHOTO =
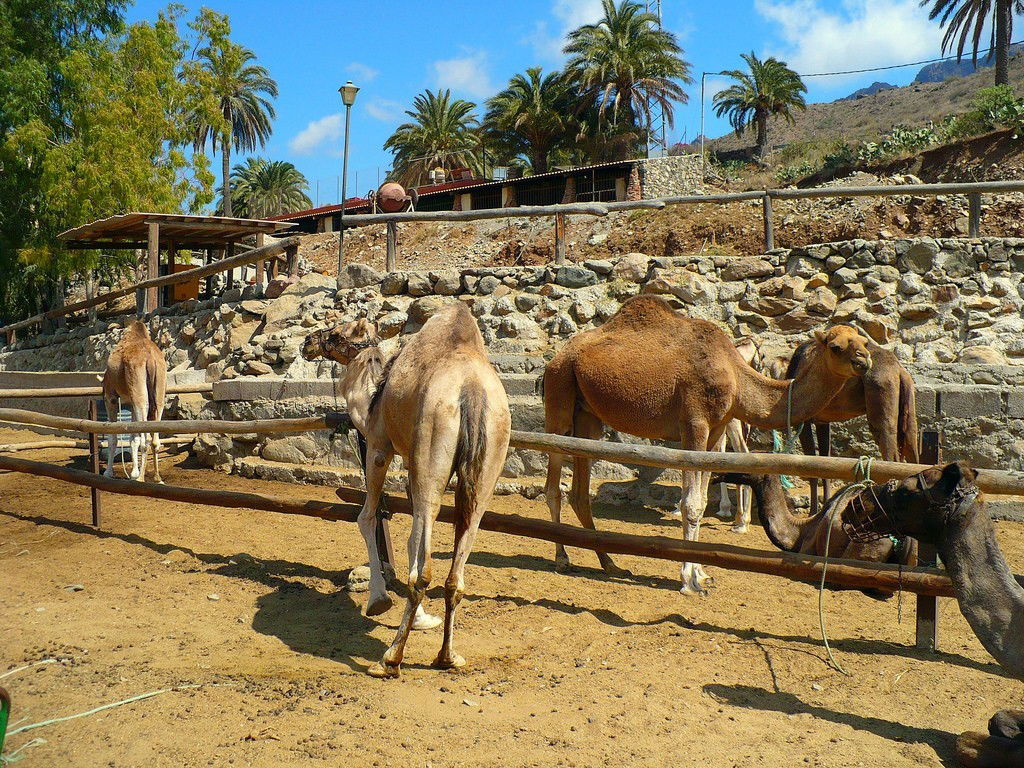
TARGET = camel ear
(821,335)
(956,473)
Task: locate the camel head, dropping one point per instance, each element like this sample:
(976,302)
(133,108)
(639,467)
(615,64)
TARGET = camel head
(341,343)
(846,351)
(919,506)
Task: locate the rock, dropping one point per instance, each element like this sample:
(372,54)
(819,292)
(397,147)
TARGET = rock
(519,327)
(391,324)
(583,311)
(448,283)
(418,284)
(747,268)
(253,307)
(982,355)
(597,238)
(600,266)
(917,311)
(207,355)
(920,257)
(571,276)
(503,306)
(426,307)
(527,301)
(804,266)
(394,283)
(607,308)
(821,302)
(257,368)
(834,262)
(876,328)
(681,283)
(293,449)
(358,276)
(769,306)
(213,596)
(944,294)
(731,291)
(632,268)
(910,285)
(311,284)
(488,284)
(797,321)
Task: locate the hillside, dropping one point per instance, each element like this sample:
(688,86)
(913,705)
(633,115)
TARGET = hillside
(870,115)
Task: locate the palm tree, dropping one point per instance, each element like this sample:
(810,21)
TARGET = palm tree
(532,116)
(242,112)
(627,63)
(768,89)
(443,133)
(262,188)
(967,19)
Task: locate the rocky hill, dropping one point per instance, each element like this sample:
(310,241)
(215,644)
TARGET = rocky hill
(870,115)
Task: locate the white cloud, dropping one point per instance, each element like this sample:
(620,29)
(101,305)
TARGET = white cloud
(384,110)
(821,36)
(466,74)
(316,133)
(362,72)
(549,39)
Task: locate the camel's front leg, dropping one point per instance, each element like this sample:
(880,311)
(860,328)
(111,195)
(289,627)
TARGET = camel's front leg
(734,431)
(376,469)
(692,503)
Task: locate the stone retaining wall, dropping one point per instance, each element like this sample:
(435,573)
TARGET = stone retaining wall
(672,176)
(950,309)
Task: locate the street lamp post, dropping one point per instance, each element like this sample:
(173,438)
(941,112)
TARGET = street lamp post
(348,98)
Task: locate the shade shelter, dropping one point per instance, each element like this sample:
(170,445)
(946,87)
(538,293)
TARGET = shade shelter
(169,232)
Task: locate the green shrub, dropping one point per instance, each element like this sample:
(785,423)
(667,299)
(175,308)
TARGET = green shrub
(791,173)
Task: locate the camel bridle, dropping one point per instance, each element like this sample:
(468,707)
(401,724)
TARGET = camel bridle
(864,526)
(328,346)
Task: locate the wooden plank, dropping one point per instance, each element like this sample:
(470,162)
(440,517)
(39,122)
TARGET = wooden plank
(261,278)
(94,464)
(832,467)
(269,426)
(173,389)
(974,214)
(847,573)
(901,189)
(769,227)
(927,614)
(559,239)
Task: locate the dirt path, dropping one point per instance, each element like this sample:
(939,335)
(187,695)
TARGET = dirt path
(573,670)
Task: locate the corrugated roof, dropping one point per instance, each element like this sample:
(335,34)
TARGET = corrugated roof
(183,229)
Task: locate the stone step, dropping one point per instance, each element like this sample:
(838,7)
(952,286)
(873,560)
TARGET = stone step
(527,412)
(520,384)
(517,362)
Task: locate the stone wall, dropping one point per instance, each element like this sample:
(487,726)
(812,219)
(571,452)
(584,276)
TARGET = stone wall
(950,309)
(670,176)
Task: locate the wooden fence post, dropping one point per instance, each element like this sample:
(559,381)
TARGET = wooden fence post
(392,257)
(230,283)
(90,291)
(260,273)
(292,252)
(769,230)
(94,463)
(559,238)
(152,265)
(974,214)
(927,635)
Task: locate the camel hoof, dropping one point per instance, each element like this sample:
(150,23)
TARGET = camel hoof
(739,528)
(453,662)
(383,671)
(425,621)
(724,514)
(692,591)
(611,569)
(380,605)
(109,473)
(675,514)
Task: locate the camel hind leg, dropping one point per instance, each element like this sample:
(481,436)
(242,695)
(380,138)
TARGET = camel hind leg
(590,427)
(559,407)
(111,403)
(738,442)
(694,436)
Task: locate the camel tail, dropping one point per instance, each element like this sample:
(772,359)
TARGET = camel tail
(907,433)
(151,389)
(471,448)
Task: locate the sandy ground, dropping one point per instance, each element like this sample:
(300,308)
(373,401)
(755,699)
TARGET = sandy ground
(573,670)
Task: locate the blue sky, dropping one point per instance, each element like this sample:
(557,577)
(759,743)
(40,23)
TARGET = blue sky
(396,49)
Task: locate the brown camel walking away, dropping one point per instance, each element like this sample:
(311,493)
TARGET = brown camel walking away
(136,374)
(440,405)
(942,506)
(653,373)
(885,394)
(808,534)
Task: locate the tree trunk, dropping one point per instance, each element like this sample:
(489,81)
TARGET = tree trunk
(762,135)
(1004,10)
(225,163)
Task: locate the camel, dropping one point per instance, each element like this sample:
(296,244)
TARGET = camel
(136,374)
(942,506)
(440,405)
(807,534)
(885,394)
(736,436)
(653,373)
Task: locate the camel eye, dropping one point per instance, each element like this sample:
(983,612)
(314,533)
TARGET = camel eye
(835,348)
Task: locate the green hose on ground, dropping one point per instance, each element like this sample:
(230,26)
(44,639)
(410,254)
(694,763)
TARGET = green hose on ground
(5,713)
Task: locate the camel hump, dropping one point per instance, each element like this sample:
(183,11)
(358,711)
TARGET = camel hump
(454,327)
(645,309)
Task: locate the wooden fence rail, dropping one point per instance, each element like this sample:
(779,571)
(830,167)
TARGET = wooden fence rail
(846,573)
(263,426)
(44,392)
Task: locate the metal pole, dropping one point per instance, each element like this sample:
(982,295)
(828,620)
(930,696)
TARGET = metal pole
(703,166)
(344,193)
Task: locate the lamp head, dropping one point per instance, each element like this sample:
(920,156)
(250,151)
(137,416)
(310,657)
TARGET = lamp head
(348,93)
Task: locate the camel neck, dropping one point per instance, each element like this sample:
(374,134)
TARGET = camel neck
(782,527)
(362,375)
(990,598)
(768,404)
